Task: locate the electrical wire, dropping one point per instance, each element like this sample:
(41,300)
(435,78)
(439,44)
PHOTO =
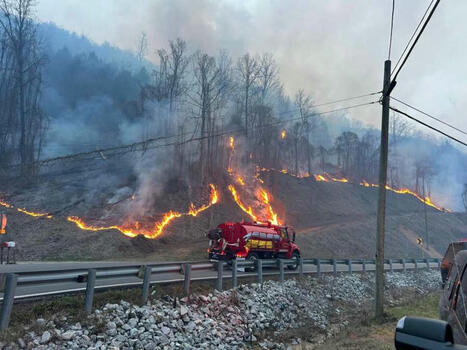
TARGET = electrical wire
(428,126)
(392,26)
(413,34)
(429,115)
(343,100)
(143,145)
(416,39)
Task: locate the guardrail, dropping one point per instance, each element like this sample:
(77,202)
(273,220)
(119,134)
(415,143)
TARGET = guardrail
(143,275)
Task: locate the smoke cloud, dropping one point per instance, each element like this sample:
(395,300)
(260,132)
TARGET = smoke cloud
(332,49)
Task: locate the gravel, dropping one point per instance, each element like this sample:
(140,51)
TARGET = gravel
(233,319)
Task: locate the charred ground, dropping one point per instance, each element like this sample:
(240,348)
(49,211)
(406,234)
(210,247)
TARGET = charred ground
(331,220)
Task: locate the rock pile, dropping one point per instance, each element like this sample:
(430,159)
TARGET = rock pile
(233,319)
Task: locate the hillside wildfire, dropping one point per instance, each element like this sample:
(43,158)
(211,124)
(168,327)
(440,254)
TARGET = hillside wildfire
(248,193)
(259,208)
(331,218)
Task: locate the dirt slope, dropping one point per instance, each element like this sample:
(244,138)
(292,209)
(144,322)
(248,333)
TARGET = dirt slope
(331,219)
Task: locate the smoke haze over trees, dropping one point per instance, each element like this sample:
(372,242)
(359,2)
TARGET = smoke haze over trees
(76,96)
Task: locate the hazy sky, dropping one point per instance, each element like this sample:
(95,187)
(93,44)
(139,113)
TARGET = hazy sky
(333,49)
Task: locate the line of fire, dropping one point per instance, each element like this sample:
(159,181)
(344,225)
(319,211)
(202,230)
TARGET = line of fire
(247,191)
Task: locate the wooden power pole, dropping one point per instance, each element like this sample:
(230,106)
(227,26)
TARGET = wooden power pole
(388,85)
(383,167)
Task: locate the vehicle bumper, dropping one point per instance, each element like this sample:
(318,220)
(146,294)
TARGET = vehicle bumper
(218,256)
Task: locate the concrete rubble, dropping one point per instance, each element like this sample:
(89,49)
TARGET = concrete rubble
(249,317)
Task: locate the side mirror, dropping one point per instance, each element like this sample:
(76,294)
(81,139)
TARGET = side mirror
(424,333)
(293,236)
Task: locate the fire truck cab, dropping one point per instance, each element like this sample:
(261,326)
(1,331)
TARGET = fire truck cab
(252,241)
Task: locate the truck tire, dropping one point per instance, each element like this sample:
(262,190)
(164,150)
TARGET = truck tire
(296,257)
(252,257)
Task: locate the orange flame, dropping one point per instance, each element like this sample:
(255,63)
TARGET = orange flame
(134,229)
(82,225)
(5,204)
(426,200)
(159,226)
(321,178)
(231,142)
(264,196)
(31,213)
(214,198)
(24,211)
(326,177)
(335,179)
(283,134)
(236,197)
(240,180)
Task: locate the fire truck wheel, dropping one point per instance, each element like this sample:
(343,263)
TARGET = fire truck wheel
(296,257)
(252,257)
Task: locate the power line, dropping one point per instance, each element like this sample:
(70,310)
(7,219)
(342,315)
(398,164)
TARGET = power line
(230,132)
(397,70)
(145,145)
(430,116)
(392,26)
(343,100)
(428,126)
(413,34)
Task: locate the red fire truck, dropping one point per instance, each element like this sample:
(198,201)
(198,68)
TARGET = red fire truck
(252,241)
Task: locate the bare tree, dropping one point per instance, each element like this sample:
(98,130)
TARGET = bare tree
(142,48)
(169,78)
(249,71)
(22,54)
(399,129)
(346,145)
(365,166)
(304,105)
(210,84)
(268,76)
(424,173)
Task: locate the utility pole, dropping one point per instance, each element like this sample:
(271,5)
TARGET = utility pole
(388,86)
(383,168)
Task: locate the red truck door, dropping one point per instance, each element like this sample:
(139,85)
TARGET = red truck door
(284,243)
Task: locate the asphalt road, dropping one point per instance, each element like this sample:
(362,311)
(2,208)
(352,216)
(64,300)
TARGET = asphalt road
(38,290)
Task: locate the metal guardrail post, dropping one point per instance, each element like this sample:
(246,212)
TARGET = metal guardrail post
(390,266)
(300,267)
(90,290)
(234,273)
(220,269)
(187,280)
(259,268)
(439,263)
(403,265)
(146,283)
(363,265)
(349,262)
(8,299)
(334,266)
(281,270)
(318,267)
(427,261)
(416,264)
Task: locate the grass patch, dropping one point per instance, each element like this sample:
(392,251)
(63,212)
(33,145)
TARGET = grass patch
(368,334)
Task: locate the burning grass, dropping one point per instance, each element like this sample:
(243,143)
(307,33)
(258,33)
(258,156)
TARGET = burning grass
(155,230)
(251,197)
